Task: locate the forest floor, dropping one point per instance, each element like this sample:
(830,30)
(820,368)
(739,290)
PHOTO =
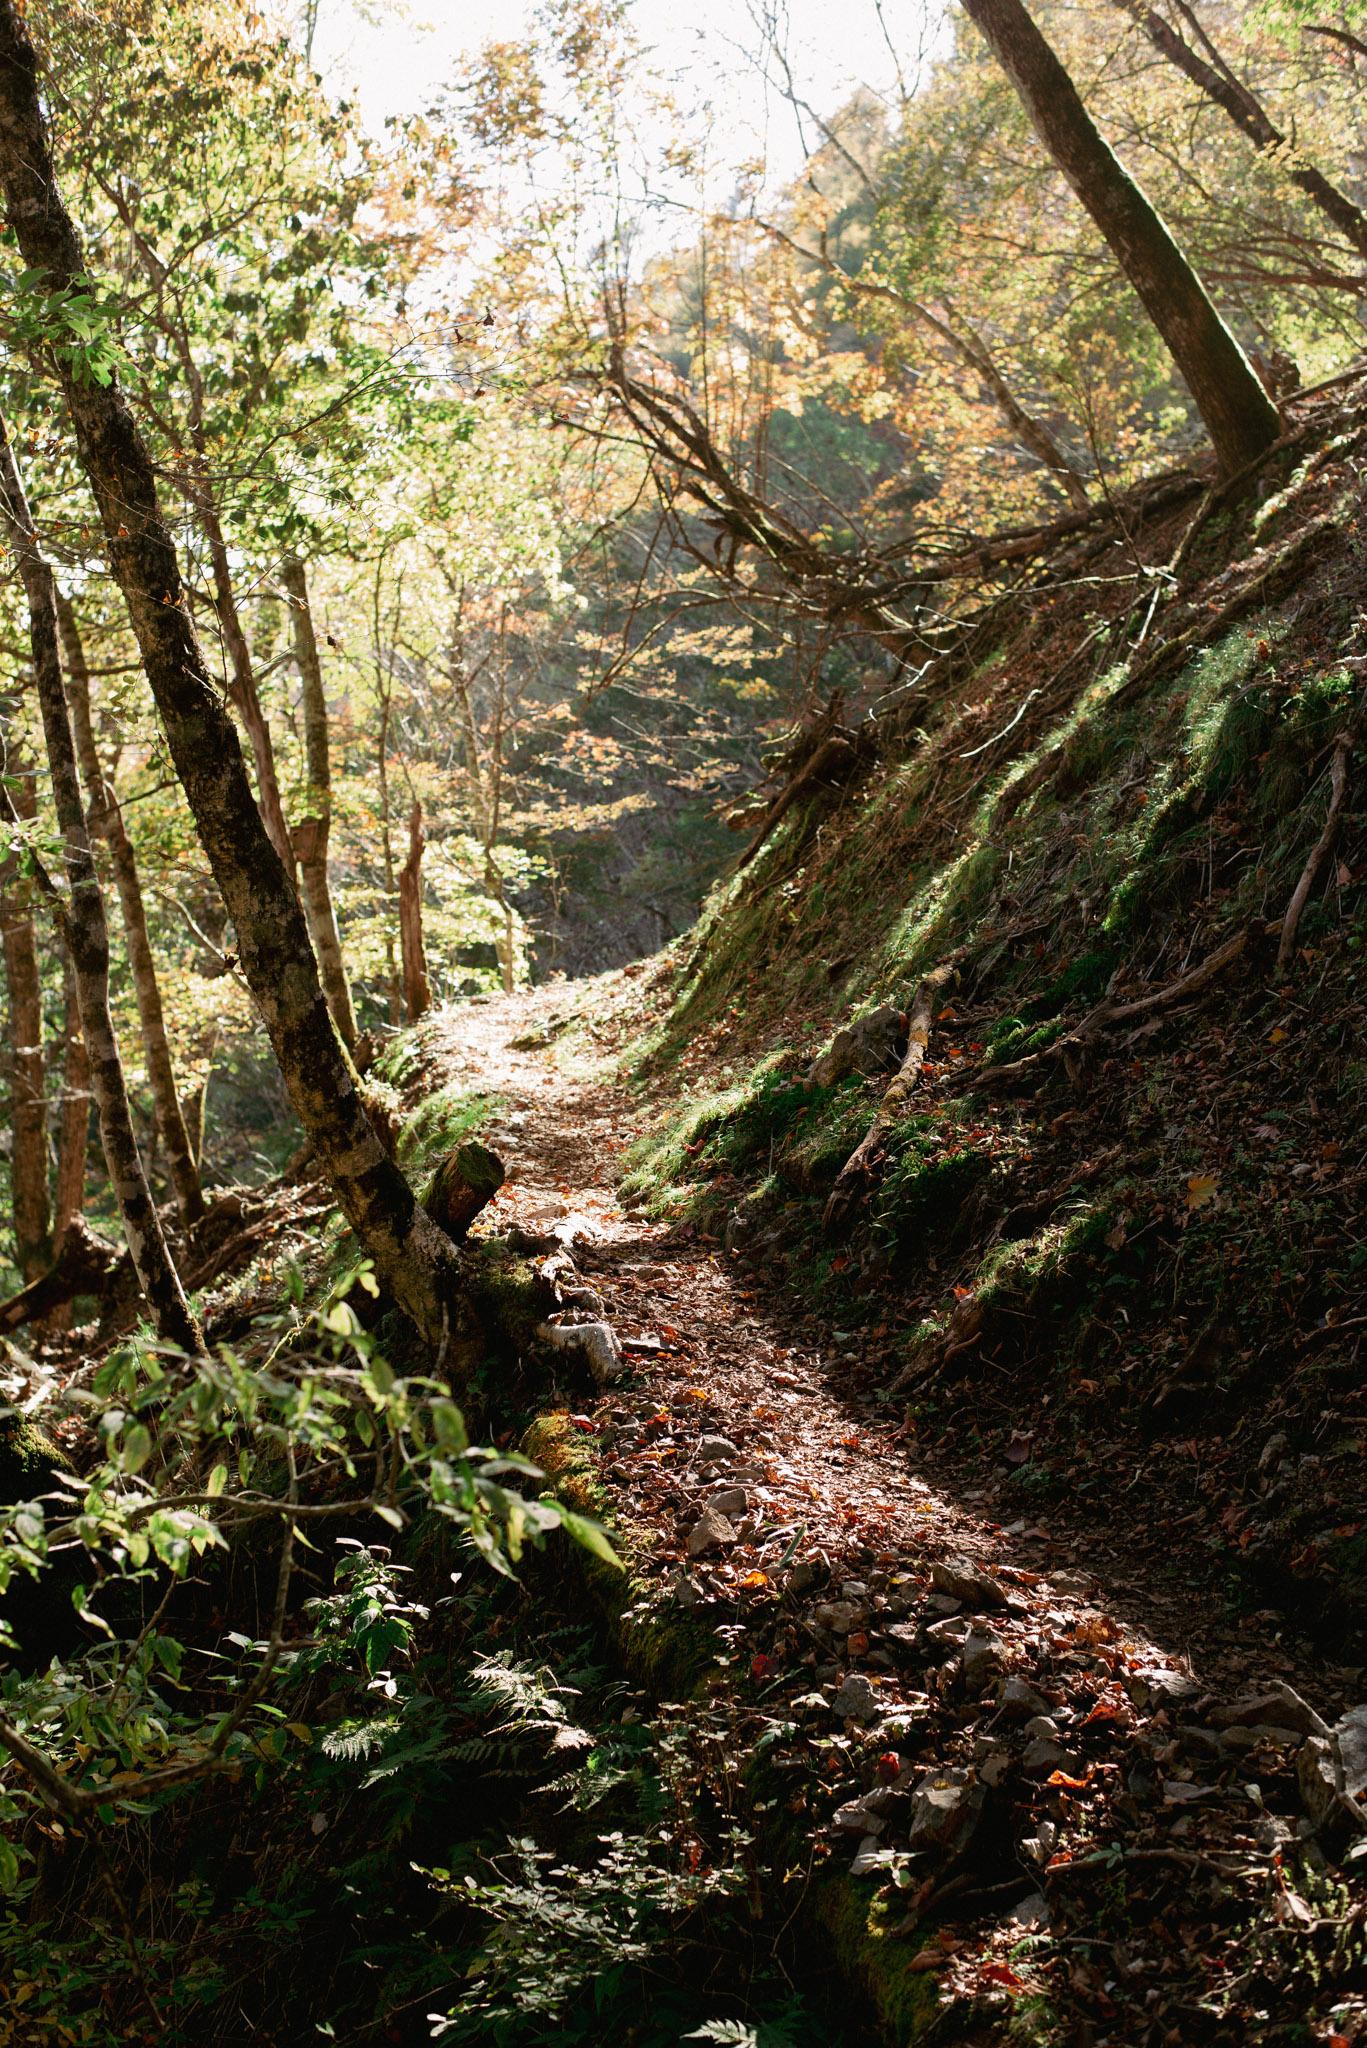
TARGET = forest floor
(1087,1779)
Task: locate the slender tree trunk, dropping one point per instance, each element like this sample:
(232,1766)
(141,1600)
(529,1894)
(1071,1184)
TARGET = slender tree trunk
(106,821)
(85,931)
(73,1130)
(242,683)
(484,803)
(1240,417)
(28,1090)
(311,834)
(1251,118)
(413,1257)
(417,990)
(73,1135)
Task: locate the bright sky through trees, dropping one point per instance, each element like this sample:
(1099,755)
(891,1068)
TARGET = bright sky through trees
(395,56)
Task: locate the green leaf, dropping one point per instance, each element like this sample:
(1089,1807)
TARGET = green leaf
(590,1536)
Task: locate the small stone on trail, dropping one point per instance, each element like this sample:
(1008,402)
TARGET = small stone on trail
(866,1857)
(840,1616)
(727,1500)
(1018,1696)
(982,1654)
(711,1531)
(1043,1756)
(965,1582)
(716,1450)
(856,1700)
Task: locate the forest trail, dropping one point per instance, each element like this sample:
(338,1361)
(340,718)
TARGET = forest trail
(716,1348)
(1001,1714)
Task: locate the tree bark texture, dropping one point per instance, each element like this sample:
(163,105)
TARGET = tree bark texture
(73,1129)
(415,1260)
(86,933)
(1240,418)
(417,990)
(311,835)
(28,1089)
(106,821)
(242,683)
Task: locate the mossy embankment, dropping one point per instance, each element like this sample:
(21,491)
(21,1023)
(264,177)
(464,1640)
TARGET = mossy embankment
(1120,1228)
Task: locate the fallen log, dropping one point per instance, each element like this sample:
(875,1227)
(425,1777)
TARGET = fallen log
(860,1171)
(84,1264)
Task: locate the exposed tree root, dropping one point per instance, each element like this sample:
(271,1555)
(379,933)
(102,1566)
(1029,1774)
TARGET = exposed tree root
(1319,852)
(861,1169)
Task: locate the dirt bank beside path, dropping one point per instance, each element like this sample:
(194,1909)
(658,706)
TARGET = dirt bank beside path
(1124,1780)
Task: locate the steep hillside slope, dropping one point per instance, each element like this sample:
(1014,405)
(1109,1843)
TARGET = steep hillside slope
(1101,861)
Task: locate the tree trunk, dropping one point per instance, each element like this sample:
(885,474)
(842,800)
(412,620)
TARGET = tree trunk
(73,1141)
(311,834)
(1240,417)
(106,821)
(412,1256)
(417,990)
(1251,118)
(86,933)
(28,1091)
(242,682)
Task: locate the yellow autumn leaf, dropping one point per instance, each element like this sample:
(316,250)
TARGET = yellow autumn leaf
(1200,1190)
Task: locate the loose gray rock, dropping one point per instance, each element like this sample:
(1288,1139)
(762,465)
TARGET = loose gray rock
(982,1660)
(840,1616)
(716,1450)
(856,1818)
(1018,1698)
(866,1857)
(728,1500)
(1270,1709)
(711,1531)
(856,1700)
(945,1810)
(952,1630)
(965,1582)
(1318,1778)
(1043,1756)
(1031,1911)
(1043,1727)
(1160,1687)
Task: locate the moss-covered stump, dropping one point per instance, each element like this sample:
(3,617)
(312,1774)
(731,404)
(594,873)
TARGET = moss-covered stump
(463,1184)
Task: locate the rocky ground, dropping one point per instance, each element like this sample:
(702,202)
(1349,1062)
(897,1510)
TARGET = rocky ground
(1086,1805)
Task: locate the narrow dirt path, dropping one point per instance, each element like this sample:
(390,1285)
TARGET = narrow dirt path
(1101,1722)
(705,1335)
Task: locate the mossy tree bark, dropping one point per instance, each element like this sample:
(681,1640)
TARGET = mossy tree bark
(85,931)
(1240,417)
(106,821)
(416,1261)
(28,1087)
(312,833)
